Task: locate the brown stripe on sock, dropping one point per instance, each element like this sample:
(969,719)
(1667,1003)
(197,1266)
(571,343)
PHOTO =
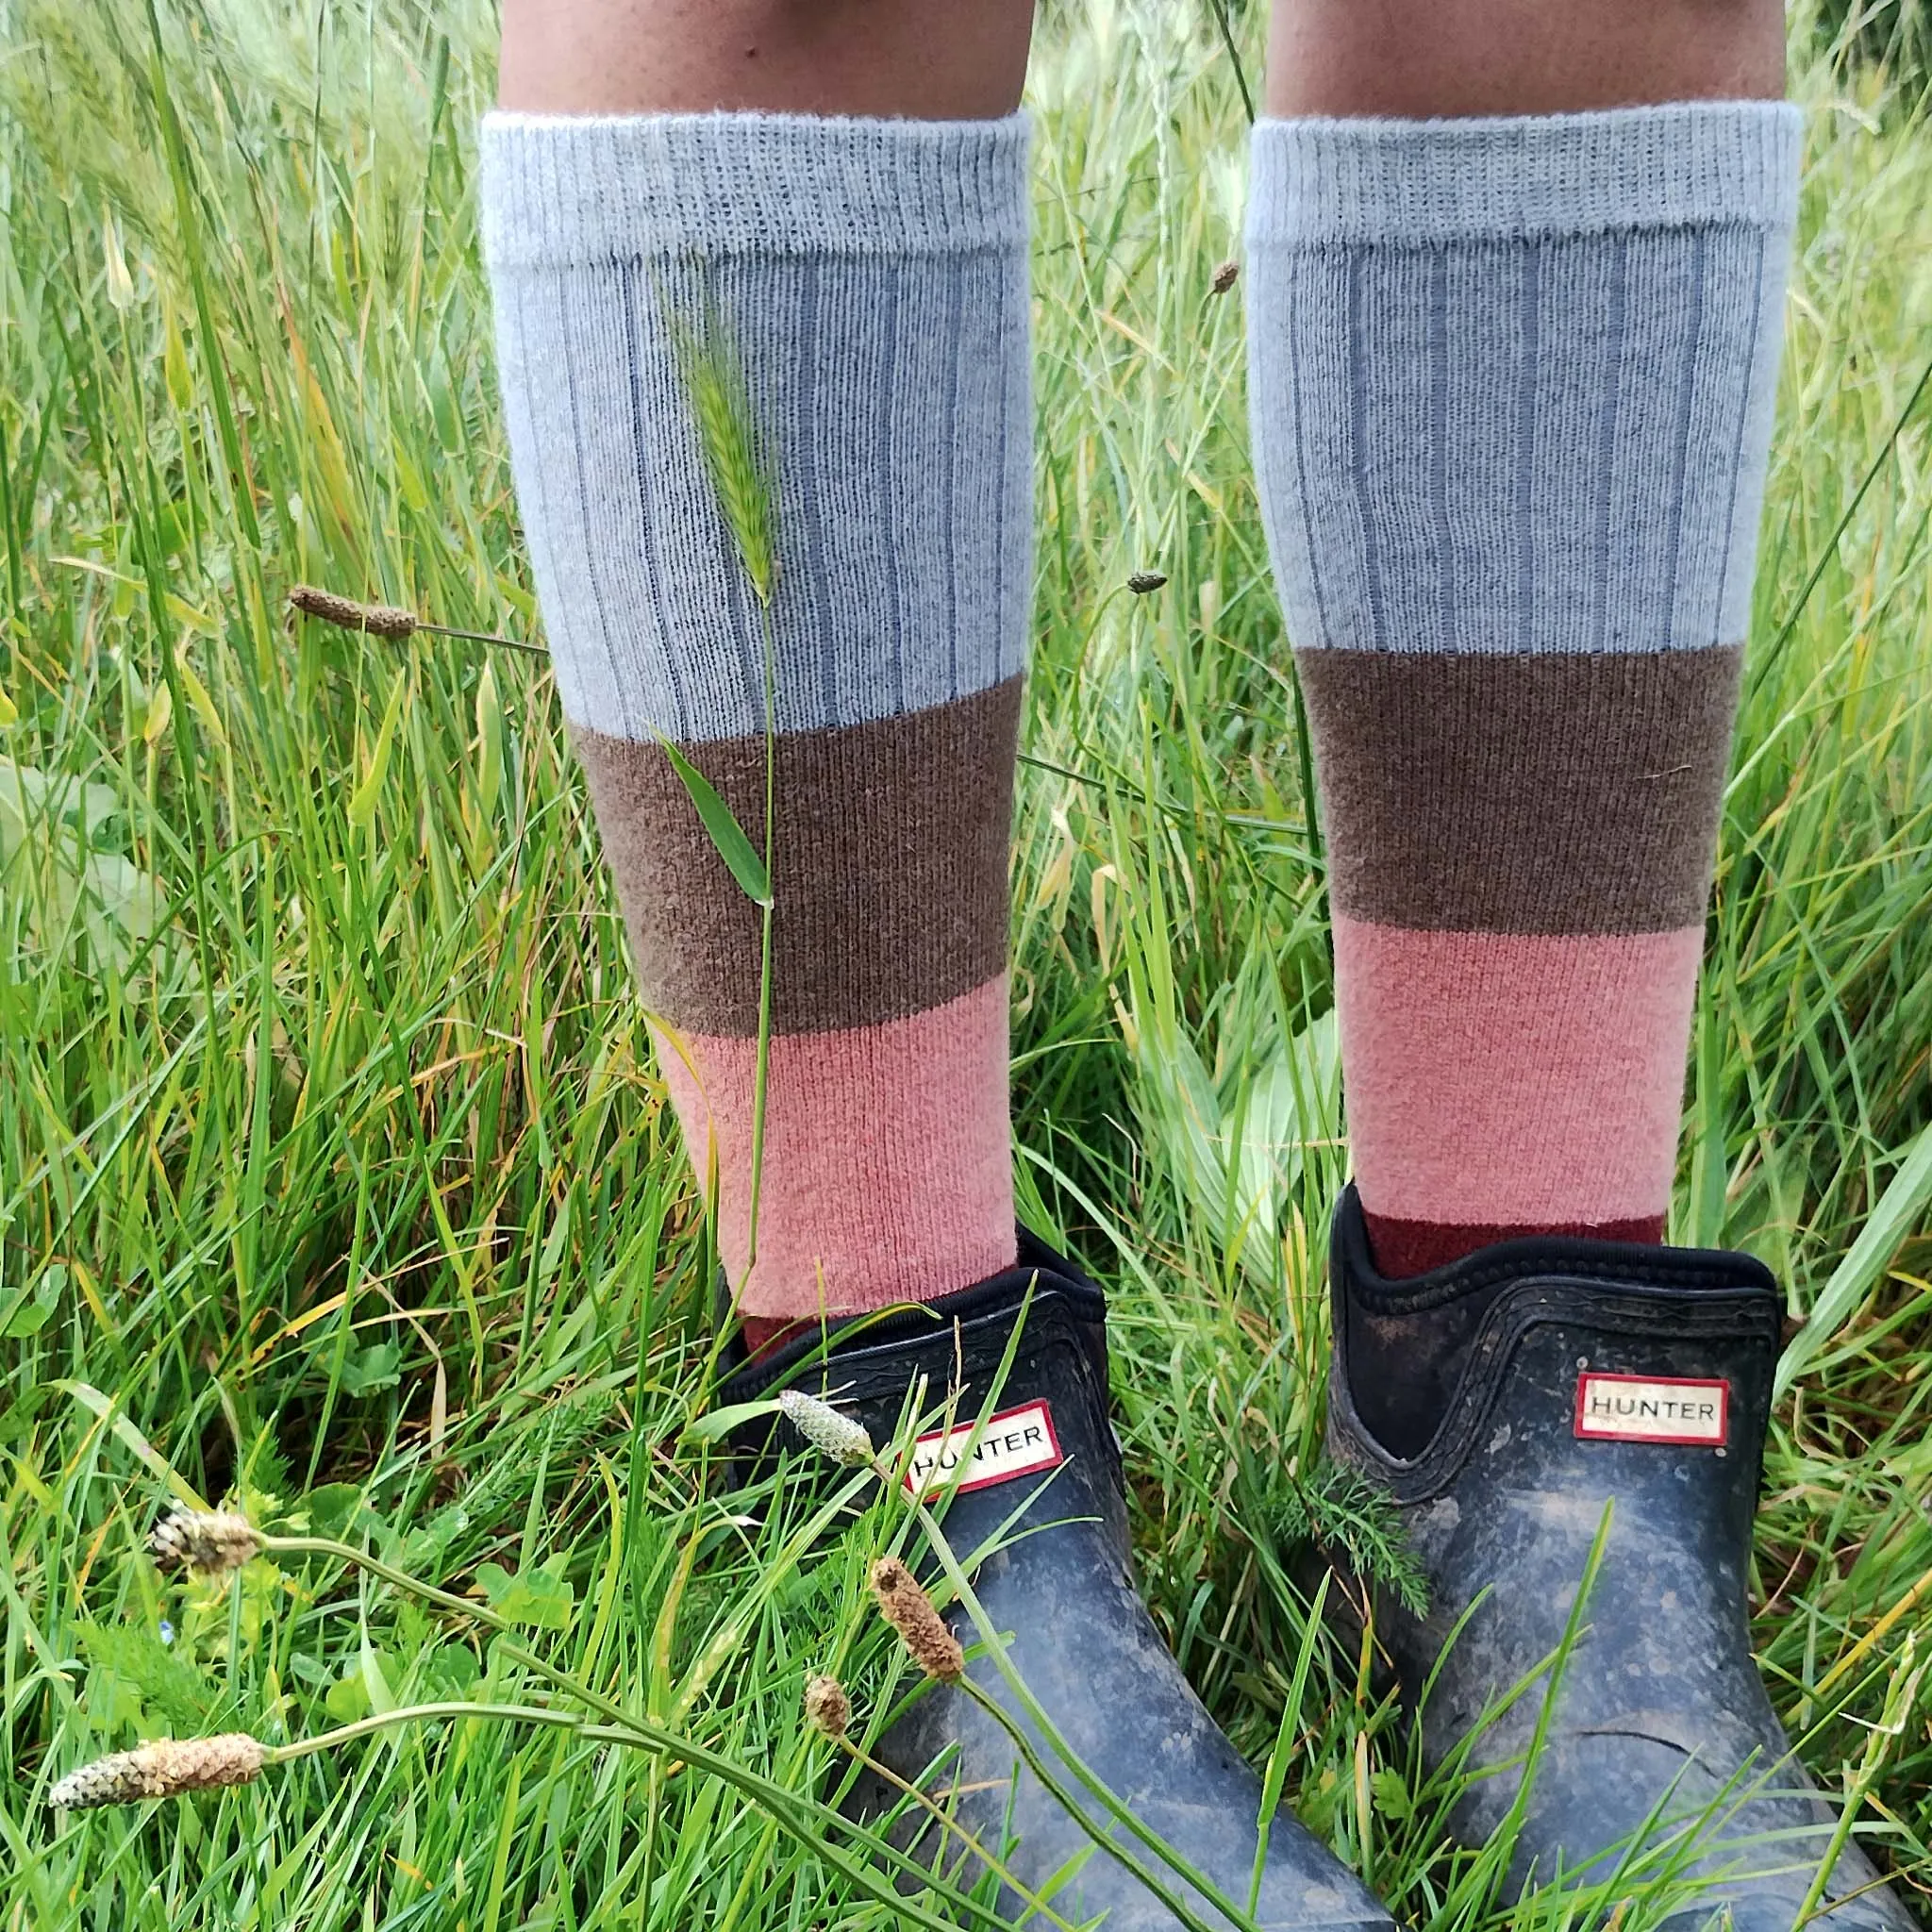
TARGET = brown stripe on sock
(889,867)
(1553,793)
(1402,1248)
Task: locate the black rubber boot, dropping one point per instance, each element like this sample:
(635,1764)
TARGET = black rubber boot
(1046,1481)
(1598,1376)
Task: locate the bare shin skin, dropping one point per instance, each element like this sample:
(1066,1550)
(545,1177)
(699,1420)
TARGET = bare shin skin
(911,59)
(1424,59)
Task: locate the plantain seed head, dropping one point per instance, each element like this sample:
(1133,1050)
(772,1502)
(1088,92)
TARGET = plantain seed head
(828,1709)
(206,1541)
(169,1769)
(827,1431)
(380,620)
(907,1608)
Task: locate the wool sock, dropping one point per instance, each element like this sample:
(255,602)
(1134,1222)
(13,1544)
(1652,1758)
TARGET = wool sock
(868,278)
(1511,385)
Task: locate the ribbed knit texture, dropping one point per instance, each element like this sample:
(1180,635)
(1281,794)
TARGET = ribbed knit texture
(1511,385)
(869,280)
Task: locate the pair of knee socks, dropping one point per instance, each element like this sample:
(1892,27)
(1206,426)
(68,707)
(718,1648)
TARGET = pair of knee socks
(1510,392)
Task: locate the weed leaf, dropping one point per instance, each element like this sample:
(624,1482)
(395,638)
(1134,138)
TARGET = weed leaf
(362,804)
(727,835)
(1341,1512)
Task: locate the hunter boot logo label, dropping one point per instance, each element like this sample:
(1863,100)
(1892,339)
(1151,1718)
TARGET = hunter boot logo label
(1016,1442)
(1653,1408)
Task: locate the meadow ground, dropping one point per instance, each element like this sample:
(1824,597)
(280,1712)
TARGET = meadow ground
(334,1177)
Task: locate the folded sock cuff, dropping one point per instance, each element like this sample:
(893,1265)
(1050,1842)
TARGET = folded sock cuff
(1679,166)
(562,190)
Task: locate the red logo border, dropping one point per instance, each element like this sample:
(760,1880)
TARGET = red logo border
(988,1482)
(1722,1384)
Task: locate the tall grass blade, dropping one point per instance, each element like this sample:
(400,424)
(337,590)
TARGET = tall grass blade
(1894,1217)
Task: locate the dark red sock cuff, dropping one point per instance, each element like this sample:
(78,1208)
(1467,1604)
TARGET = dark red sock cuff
(1402,1248)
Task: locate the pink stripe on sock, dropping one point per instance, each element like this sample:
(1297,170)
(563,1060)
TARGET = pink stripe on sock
(1518,1079)
(888,1171)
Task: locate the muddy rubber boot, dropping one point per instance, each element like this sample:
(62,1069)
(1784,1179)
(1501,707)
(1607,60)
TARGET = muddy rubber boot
(1044,1483)
(1595,1375)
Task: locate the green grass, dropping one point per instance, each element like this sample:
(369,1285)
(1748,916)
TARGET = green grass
(335,1174)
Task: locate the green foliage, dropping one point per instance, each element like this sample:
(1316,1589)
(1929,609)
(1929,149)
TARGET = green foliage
(131,1658)
(539,1598)
(553,1441)
(1352,1522)
(1892,37)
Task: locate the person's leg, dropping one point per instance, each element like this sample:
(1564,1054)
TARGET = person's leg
(1515,300)
(1514,354)
(868,276)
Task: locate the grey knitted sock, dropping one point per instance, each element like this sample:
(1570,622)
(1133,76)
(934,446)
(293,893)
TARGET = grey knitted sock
(870,278)
(1511,383)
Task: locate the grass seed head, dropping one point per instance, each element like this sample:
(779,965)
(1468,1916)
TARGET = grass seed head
(733,453)
(169,1769)
(921,1629)
(208,1541)
(828,1709)
(827,1431)
(380,620)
